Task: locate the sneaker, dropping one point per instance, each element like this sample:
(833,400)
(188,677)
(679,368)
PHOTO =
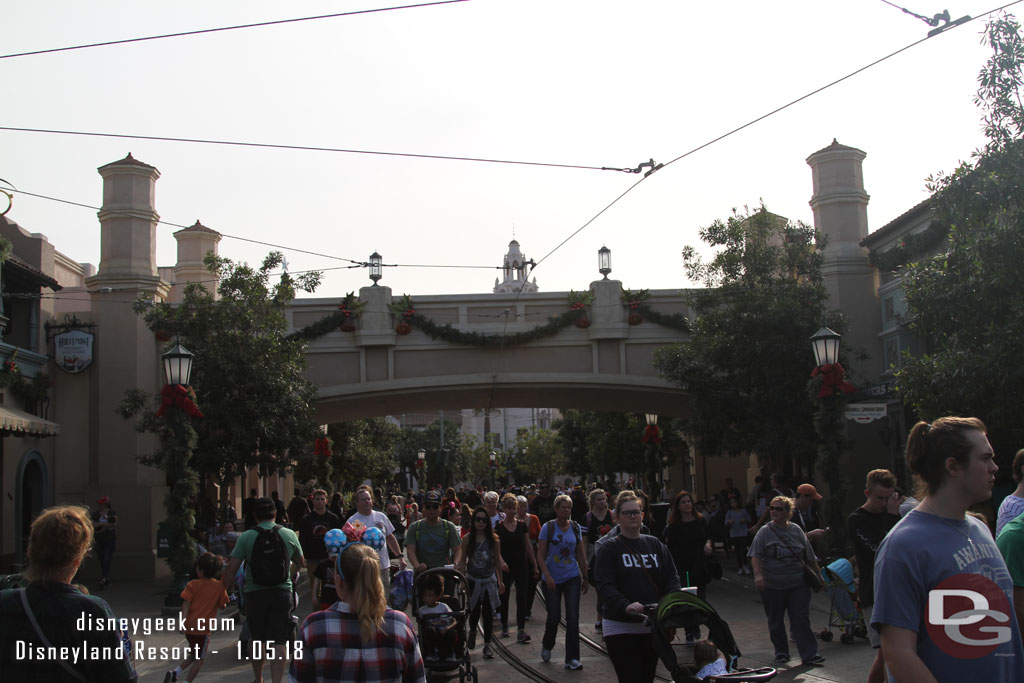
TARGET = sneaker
(504,631)
(816,659)
(545,654)
(170,677)
(741,570)
(598,626)
(692,638)
(488,652)
(781,658)
(522,637)
(529,617)
(573,665)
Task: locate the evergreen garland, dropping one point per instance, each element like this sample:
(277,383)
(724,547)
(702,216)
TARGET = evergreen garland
(452,335)
(829,424)
(909,248)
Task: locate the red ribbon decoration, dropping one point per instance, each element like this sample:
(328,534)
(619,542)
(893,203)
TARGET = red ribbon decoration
(178,395)
(322,447)
(833,380)
(651,435)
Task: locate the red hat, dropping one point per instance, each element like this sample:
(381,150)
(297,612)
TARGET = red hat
(104,500)
(809,490)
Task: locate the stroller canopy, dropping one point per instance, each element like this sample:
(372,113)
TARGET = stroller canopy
(685,610)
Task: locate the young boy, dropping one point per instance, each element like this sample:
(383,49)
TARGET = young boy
(438,624)
(203,598)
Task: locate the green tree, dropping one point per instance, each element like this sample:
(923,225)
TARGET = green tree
(247,375)
(967,304)
(539,454)
(363,449)
(602,443)
(747,362)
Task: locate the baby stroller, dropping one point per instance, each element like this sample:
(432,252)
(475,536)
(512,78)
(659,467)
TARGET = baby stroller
(458,601)
(681,610)
(844,612)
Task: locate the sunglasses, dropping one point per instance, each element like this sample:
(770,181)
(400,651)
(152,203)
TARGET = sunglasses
(481,519)
(431,506)
(775,508)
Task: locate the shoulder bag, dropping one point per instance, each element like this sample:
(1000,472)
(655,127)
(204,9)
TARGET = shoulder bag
(811,577)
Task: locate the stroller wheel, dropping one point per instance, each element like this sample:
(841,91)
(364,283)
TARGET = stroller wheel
(826,636)
(462,675)
(860,632)
(473,673)
(846,638)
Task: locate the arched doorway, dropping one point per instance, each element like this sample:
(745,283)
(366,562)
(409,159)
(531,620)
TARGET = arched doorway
(33,495)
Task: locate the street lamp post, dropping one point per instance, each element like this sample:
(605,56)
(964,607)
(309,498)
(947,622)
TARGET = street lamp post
(827,388)
(421,464)
(376,268)
(652,439)
(493,458)
(177,407)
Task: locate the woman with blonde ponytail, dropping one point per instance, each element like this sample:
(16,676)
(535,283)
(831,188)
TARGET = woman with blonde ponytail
(358,638)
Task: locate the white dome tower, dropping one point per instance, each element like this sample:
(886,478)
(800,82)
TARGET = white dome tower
(516,272)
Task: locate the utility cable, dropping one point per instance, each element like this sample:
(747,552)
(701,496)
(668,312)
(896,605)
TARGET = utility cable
(225,28)
(312,148)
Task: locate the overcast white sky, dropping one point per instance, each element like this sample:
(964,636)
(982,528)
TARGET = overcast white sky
(589,82)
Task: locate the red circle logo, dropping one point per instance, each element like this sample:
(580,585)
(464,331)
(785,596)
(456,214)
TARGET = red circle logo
(968,616)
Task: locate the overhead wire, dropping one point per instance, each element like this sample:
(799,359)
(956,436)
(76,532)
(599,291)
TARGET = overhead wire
(226,28)
(312,148)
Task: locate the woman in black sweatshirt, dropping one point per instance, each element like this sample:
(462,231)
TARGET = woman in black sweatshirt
(632,570)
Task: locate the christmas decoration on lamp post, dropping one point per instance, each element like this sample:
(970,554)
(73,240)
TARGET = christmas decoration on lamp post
(827,388)
(177,407)
(652,439)
(421,463)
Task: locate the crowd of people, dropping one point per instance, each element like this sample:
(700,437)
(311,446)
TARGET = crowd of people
(911,555)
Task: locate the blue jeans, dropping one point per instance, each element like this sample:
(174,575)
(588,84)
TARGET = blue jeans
(797,602)
(571,591)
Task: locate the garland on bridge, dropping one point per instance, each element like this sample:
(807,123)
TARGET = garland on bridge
(404,310)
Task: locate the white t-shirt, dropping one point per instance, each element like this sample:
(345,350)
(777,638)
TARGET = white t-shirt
(439,615)
(380,520)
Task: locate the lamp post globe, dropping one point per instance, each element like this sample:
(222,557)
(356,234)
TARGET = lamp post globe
(177,363)
(604,261)
(825,344)
(376,268)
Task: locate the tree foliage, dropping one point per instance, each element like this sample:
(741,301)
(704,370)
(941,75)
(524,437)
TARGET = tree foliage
(539,455)
(247,376)
(599,444)
(968,303)
(748,359)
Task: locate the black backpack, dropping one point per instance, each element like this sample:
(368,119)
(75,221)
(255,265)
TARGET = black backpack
(269,562)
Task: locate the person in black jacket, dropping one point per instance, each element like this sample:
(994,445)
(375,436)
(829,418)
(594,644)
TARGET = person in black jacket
(632,570)
(686,536)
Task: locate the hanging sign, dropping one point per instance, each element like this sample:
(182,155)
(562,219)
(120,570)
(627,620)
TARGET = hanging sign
(863,413)
(72,350)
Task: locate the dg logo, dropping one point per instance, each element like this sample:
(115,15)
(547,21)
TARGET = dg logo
(968,616)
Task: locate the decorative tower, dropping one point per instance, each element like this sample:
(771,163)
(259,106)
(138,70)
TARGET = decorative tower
(516,271)
(126,357)
(840,207)
(194,243)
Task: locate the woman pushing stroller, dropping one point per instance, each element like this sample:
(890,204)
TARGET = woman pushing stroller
(632,570)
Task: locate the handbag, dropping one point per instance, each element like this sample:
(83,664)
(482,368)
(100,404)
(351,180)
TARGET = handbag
(813,578)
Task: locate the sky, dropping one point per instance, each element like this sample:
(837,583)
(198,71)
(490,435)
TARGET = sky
(577,82)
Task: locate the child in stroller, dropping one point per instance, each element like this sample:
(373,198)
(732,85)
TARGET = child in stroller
(444,626)
(437,625)
(682,610)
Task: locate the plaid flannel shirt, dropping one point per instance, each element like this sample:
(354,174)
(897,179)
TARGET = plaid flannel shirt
(333,650)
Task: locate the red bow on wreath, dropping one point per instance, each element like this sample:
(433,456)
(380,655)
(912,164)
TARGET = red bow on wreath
(651,435)
(322,447)
(178,395)
(833,380)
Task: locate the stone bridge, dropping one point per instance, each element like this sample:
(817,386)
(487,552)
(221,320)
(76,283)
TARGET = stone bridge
(374,370)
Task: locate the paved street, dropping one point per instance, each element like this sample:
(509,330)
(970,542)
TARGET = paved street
(734,598)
